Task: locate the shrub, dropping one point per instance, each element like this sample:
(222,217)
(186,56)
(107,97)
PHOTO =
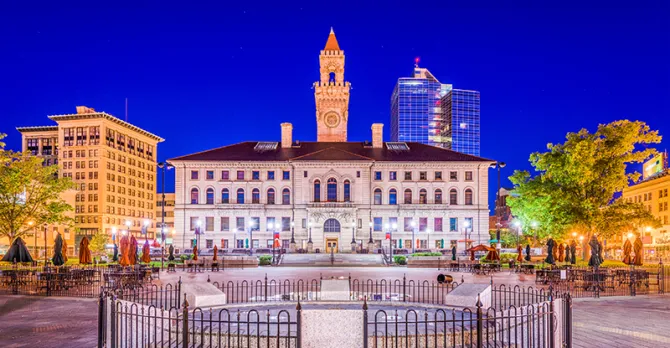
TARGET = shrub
(102,262)
(265,260)
(185,257)
(427,254)
(400,260)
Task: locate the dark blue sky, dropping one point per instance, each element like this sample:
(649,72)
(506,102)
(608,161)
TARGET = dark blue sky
(211,75)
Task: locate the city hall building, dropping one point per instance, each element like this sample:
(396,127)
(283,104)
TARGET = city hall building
(331,194)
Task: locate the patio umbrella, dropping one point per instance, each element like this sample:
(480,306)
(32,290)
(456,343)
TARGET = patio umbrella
(637,246)
(115,256)
(64,250)
(567,253)
(84,252)
(480,247)
(195,253)
(18,252)
(519,257)
(216,252)
(594,261)
(171,250)
(132,252)
(155,244)
(550,251)
(493,255)
(561,252)
(58,251)
(453,253)
(146,252)
(528,252)
(125,251)
(573,252)
(627,248)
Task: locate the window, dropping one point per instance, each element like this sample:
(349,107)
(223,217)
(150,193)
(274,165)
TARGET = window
(453,176)
(209,243)
(378,176)
(423,175)
(209,175)
(453,225)
(438,196)
(331,189)
(377,224)
(225,175)
(317,190)
(240,196)
(285,223)
(210,195)
(194,196)
(255,196)
(271,196)
(269,223)
(194,175)
(423,196)
(453,197)
(255,175)
(468,224)
(286,175)
(331,225)
(225,223)
(347,191)
(225,196)
(468,197)
(393,176)
(438,224)
(239,223)
(438,175)
(378,196)
(408,175)
(393,196)
(255,223)
(209,223)
(423,224)
(286,196)
(193,223)
(271,174)
(468,176)
(408,196)
(407,224)
(240,175)
(358,173)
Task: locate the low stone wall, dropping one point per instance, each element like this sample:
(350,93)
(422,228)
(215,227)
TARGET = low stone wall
(242,261)
(427,261)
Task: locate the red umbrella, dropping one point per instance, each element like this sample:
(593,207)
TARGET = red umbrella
(216,252)
(125,251)
(519,258)
(195,253)
(84,252)
(146,251)
(132,253)
(155,244)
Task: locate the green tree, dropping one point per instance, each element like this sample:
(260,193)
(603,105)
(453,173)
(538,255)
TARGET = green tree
(29,191)
(575,182)
(98,243)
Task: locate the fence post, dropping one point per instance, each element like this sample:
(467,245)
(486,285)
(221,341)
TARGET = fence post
(567,320)
(661,277)
(113,321)
(365,323)
(298,309)
(101,320)
(552,323)
(632,280)
(404,288)
(266,287)
(178,292)
(185,323)
(480,323)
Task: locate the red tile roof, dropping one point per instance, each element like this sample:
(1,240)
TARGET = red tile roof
(331,44)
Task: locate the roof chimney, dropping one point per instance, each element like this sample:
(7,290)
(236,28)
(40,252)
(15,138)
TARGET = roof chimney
(286,135)
(85,110)
(377,135)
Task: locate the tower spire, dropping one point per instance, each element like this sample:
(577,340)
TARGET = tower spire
(331,44)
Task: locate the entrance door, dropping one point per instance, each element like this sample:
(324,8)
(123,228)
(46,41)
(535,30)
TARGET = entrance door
(331,244)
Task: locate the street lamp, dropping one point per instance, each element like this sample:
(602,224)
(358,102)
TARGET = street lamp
(428,238)
(292,246)
(198,231)
(163,233)
(128,223)
(46,228)
(271,229)
(310,245)
(353,236)
(517,224)
(413,223)
(466,225)
(31,223)
(630,235)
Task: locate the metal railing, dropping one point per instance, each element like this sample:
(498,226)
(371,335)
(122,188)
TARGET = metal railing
(400,290)
(270,290)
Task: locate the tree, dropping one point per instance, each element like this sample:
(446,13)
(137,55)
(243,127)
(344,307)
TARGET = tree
(29,191)
(576,182)
(98,243)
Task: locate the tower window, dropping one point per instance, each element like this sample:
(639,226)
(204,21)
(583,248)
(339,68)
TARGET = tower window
(331,77)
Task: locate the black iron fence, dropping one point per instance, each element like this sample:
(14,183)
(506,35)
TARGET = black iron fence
(607,281)
(400,290)
(270,290)
(506,296)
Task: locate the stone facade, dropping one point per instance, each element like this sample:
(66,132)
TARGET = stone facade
(331,94)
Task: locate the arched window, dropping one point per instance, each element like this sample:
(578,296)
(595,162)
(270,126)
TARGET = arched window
(468,197)
(225,196)
(347,191)
(317,191)
(438,196)
(210,195)
(255,196)
(453,197)
(331,225)
(331,188)
(240,196)
(331,77)
(423,196)
(378,196)
(271,196)
(286,196)
(393,196)
(194,196)
(408,196)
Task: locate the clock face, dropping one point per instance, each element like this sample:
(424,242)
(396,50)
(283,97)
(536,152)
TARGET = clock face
(332,119)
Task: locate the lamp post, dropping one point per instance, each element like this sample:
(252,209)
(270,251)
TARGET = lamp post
(428,238)
(371,243)
(128,223)
(31,223)
(271,229)
(113,238)
(310,245)
(46,228)
(163,233)
(292,245)
(466,225)
(251,237)
(517,224)
(198,229)
(413,223)
(353,236)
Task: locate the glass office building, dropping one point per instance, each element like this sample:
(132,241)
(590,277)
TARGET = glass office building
(427,111)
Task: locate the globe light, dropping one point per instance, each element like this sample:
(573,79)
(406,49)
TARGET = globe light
(630,235)
(574,234)
(31,222)
(270,226)
(146,222)
(394,226)
(386,226)
(517,223)
(370,224)
(466,224)
(114,231)
(413,223)
(199,223)
(427,230)
(128,223)
(533,224)
(648,229)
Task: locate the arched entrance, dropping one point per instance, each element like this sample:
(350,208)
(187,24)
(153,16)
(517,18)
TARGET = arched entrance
(330,227)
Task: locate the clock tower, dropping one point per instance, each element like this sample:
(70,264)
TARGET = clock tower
(331,94)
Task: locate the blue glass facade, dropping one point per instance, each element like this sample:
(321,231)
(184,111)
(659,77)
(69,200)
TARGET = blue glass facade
(427,111)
